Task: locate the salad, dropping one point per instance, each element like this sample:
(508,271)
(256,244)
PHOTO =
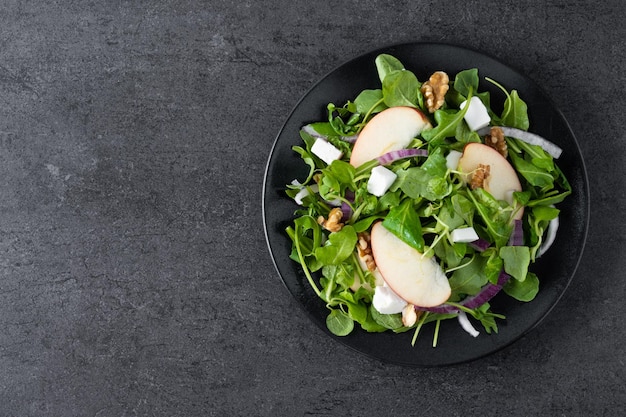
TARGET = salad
(422,202)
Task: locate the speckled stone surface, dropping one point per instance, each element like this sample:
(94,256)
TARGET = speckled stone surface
(134,274)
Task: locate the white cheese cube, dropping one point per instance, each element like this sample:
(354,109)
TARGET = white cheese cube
(380,180)
(452,159)
(385,301)
(325,151)
(477,115)
(466,234)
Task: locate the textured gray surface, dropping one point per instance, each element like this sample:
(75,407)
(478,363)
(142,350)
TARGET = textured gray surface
(134,274)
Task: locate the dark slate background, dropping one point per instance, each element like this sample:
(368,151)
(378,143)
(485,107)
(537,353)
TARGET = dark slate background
(134,274)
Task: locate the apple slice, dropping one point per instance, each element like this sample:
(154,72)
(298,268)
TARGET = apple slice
(502,180)
(416,278)
(389,130)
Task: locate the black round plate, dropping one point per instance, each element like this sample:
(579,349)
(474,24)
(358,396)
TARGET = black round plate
(555,269)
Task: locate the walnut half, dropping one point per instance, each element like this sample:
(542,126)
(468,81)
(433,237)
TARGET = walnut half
(481,173)
(496,140)
(333,223)
(435,89)
(365,251)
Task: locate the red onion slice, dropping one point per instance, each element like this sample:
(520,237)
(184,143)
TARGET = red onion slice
(484,295)
(517,235)
(393,156)
(480,244)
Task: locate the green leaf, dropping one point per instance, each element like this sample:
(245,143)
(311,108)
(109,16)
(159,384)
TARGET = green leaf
(525,290)
(436,164)
(416,182)
(323,128)
(386,64)
(464,208)
(515,112)
(451,254)
(388,321)
(447,122)
(469,279)
(493,215)
(369,101)
(536,176)
(357,311)
(339,323)
(493,266)
(338,247)
(516,260)
(400,89)
(428,181)
(466,82)
(404,222)
(487,318)
(545,213)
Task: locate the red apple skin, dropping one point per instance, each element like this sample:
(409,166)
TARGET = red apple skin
(502,179)
(390,130)
(417,279)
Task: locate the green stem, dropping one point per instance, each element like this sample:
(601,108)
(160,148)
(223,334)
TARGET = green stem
(305,268)
(419,327)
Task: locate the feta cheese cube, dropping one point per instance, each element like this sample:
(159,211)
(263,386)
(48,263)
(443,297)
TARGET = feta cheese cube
(477,115)
(325,151)
(452,159)
(385,301)
(465,234)
(380,180)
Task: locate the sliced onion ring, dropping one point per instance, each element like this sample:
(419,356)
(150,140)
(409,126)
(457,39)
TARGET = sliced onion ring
(527,137)
(392,156)
(517,235)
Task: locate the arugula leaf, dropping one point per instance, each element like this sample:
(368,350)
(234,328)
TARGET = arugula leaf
(370,101)
(469,279)
(494,216)
(388,321)
(487,318)
(400,89)
(464,208)
(386,64)
(447,122)
(516,261)
(493,266)
(416,182)
(466,82)
(338,247)
(515,112)
(535,175)
(428,181)
(404,222)
(525,290)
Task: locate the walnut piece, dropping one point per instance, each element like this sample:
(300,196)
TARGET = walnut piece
(495,139)
(481,173)
(365,250)
(409,315)
(435,89)
(333,223)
